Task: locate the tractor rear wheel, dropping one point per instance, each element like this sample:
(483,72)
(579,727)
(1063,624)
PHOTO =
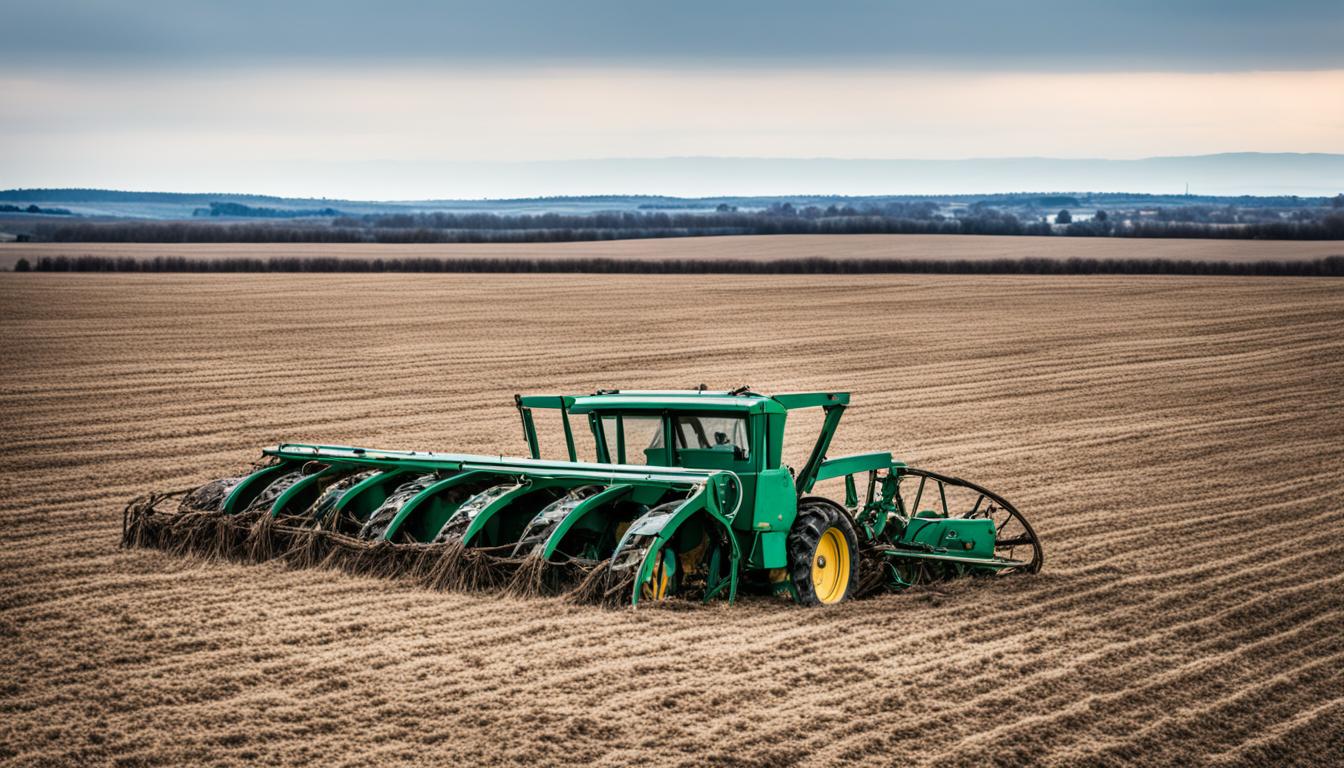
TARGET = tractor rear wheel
(823,554)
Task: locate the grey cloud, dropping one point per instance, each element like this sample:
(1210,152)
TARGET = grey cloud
(970,34)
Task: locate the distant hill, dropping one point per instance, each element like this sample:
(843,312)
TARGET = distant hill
(1279,179)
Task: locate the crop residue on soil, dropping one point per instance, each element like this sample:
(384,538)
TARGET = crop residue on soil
(1177,442)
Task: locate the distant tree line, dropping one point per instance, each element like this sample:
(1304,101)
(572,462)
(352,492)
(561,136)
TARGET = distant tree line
(238,210)
(1329,227)
(493,228)
(906,218)
(193,232)
(7,208)
(776,216)
(1332,266)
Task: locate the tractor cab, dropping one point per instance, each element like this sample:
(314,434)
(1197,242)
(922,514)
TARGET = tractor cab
(737,431)
(677,431)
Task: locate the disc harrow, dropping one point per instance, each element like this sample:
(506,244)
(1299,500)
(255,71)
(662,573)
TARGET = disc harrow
(688,499)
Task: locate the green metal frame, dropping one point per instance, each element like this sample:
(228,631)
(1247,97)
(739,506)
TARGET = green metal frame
(661,528)
(748,497)
(412,507)
(589,505)
(488,515)
(561,403)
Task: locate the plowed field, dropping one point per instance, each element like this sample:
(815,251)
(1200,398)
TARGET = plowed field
(1177,442)
(731,248)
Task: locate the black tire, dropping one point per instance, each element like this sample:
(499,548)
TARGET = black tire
(822,526)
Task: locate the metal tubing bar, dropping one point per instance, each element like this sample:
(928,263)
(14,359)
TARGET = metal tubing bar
(569,433)
(997,562)
(429,461)
(600,437)
(808,477)
(530,432)
(620,440)
(976,508)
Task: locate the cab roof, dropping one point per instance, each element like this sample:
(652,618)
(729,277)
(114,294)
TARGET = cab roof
(740,400)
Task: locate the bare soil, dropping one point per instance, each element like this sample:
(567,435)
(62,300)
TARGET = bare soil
(1178,443)
(755,247)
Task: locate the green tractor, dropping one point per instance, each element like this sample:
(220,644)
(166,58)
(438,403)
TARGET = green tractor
(689,497)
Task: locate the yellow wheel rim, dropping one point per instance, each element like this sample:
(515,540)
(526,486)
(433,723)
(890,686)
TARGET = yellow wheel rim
(830,567)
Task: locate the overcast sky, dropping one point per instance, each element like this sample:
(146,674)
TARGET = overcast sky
(373,99)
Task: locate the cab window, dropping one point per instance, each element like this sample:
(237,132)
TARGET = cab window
(727,434)
(633,439)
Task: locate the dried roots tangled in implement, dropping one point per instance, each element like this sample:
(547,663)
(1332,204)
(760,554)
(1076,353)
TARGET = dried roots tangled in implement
(169,522)
(687,500)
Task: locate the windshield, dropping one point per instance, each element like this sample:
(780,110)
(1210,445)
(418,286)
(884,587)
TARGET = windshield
(638,439)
